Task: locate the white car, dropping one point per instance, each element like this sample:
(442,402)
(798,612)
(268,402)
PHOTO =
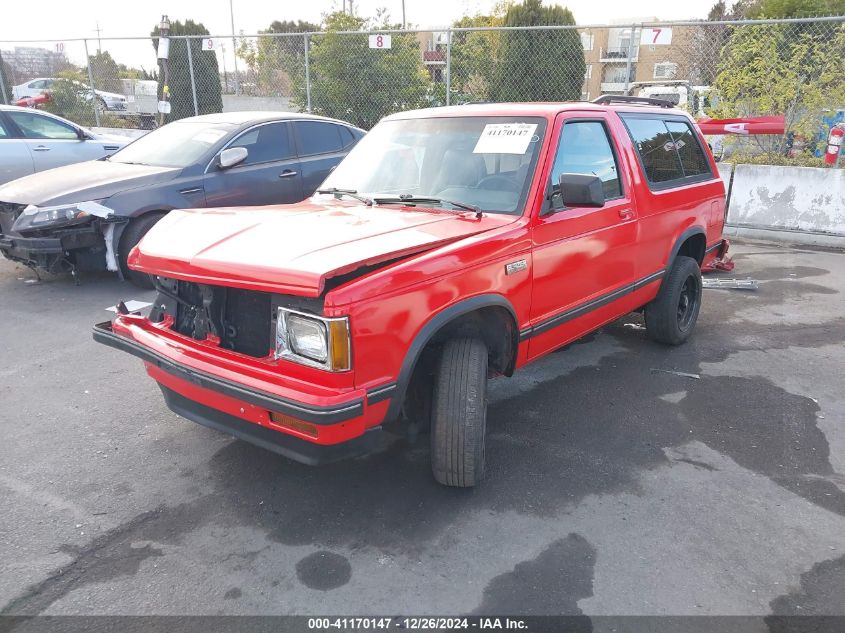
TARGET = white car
(32,141)
(107,100)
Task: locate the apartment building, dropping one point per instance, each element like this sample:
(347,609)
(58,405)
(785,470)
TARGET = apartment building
(617,57)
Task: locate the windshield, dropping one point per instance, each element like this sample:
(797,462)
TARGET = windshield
(177,144)
(484,162)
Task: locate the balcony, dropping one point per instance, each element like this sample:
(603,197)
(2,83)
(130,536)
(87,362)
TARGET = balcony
(618,54)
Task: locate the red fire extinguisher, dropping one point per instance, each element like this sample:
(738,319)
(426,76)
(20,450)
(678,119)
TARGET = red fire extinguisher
(834,144)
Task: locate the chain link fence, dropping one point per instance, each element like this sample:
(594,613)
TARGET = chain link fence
(729,69)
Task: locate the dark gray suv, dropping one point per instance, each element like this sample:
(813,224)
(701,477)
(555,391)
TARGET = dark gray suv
(88,216)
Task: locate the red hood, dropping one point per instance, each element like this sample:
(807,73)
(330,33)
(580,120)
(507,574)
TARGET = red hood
(294,249)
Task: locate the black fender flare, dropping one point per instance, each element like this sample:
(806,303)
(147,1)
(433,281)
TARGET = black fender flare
(427,332)
(688,233)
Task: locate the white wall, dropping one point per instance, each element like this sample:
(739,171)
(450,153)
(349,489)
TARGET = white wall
(804,199)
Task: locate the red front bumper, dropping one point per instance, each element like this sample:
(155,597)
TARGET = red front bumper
(279,415)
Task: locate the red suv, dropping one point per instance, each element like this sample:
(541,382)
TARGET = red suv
(451,245)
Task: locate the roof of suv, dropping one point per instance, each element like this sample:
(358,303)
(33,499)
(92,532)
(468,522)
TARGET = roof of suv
(546,109)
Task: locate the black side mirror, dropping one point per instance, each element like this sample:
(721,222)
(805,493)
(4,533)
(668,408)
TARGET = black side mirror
(581,190)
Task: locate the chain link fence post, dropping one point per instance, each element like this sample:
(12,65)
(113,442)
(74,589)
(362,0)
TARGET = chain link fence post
(448,66)
(2,82)
(94,98)
(307,75)
(630,55)
(191,73)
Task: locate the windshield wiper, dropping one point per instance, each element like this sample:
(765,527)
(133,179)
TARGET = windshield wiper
(407,198)
(352,193)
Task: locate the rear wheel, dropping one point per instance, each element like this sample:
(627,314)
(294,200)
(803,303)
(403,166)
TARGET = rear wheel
(133,234)
(459,413)
(671,317)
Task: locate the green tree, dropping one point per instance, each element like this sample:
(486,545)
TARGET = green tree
(106,72)
(543,65)
(206,73)
(351,81)
(795,8)
(790,69)
(271,58)
(474,55)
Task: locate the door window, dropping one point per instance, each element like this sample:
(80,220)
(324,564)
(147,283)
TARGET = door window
(265,143)
(4,133)
(585,148)
(36,126)
(316,137)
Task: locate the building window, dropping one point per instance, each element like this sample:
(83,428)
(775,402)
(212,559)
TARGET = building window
(588,73)
(665,70)
(587,41)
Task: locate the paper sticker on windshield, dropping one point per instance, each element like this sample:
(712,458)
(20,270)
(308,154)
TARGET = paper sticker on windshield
(505,138)
(209,136)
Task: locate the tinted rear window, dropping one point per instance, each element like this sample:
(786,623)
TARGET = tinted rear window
(318,138)
(669,150)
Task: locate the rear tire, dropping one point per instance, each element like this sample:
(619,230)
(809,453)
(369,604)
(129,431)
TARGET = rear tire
(459,413)
(671,316)
(133,234)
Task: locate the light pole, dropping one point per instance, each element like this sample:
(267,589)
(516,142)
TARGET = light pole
(234,49)
(164,56)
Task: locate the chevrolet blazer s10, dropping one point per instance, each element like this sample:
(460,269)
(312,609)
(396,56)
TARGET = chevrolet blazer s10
(450,246)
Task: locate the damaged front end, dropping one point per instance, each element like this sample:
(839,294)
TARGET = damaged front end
(62,238)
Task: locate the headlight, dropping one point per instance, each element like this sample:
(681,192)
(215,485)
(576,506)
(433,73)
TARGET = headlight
(33,218)
(313,340)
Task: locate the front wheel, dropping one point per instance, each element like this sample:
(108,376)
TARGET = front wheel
(671,316)
(459,413)
(133,233)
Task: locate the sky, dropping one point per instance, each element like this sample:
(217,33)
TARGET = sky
(61,20)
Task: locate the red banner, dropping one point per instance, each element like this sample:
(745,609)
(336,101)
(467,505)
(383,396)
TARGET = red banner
(744,126)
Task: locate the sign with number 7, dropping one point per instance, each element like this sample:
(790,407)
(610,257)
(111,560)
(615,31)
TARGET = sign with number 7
(656,36)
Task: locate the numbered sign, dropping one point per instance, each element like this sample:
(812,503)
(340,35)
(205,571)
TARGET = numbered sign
(208,43)
(656,36)
(379,41)
(60,48)
(164,107)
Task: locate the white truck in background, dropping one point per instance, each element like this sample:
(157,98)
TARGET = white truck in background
(697,100)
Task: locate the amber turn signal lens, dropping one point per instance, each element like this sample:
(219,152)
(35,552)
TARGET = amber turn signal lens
(292,423)
(339,336)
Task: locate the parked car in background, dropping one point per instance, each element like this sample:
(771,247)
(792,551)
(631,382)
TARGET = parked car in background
(453,244)
(32,141)
(89,216)
(107,100)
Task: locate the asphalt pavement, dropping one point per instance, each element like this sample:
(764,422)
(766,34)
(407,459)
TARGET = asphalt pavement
(615,486)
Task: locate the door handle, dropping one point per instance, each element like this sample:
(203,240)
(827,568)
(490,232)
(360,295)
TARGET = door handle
(41,148)
(288,173)
(626,214)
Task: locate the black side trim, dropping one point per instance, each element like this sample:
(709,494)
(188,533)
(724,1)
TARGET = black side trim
(598,302)
(426,334)
(292,447)
(317,415)
(379,394)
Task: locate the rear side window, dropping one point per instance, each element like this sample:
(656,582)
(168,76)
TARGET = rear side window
(316,137)
(3,132)
(669,151)
(686,142)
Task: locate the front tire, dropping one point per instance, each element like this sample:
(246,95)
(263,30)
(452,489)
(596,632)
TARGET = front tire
(459,413)
(133,234)
(672,315)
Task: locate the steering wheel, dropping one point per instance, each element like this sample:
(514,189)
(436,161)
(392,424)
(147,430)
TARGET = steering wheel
(490,182)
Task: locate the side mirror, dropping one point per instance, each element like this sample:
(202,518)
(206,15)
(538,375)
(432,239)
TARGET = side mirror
(581,190)
(82,135)
(232,156)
